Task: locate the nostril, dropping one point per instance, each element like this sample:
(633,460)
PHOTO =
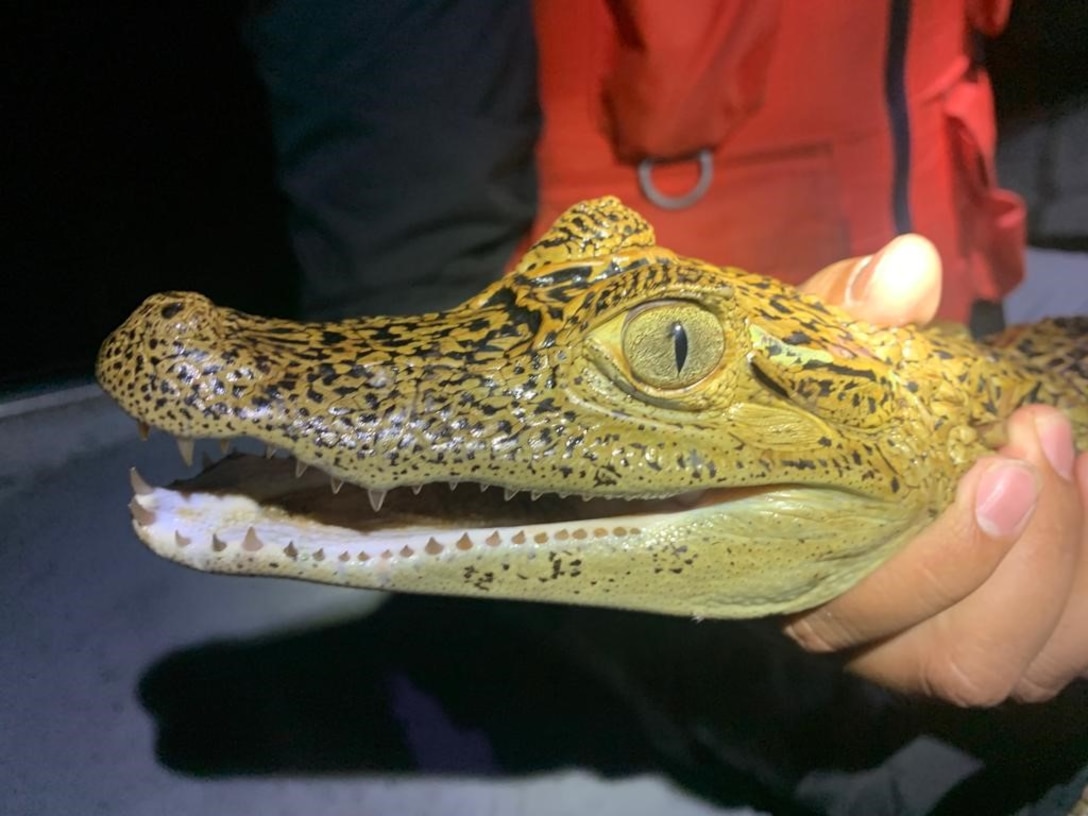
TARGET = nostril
(171,309)
(173,317)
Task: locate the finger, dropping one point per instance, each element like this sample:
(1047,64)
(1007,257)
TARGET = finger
(978,651)
(1065,656)
(952,557)
(899,284)
(942,565)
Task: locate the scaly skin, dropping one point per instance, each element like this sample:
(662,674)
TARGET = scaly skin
(748,449)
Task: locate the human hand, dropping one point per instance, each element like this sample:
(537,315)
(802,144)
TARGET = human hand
(990,601)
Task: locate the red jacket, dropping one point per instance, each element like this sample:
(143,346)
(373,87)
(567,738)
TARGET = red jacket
(830,127)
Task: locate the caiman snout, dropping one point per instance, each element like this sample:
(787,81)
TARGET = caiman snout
(160,347)
(193,368)
(355,398)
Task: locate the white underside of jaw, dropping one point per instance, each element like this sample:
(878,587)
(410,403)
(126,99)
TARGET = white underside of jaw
(189,527)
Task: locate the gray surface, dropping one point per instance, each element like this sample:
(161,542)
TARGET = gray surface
(1046,162)
(1055,285)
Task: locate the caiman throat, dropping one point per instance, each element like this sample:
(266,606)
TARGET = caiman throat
(625,427)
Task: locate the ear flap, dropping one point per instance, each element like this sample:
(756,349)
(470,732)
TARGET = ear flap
(835,378)
(591,229)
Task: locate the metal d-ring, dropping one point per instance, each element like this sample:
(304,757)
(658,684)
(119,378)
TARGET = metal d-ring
(655,196)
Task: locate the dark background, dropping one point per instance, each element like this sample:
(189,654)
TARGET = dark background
(139,158)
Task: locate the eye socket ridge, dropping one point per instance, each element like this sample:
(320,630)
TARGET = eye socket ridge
(672,344)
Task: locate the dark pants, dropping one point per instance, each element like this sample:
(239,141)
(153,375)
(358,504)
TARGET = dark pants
(405,133)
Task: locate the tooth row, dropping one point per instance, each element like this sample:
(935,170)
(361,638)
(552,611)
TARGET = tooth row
(252,542)
(187,447)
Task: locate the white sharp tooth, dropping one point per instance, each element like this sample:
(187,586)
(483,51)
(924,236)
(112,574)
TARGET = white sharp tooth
(139,486)
(453,485)
(252,542)
(269,451)
(143,429)
(508,493)
(689,499)
(416,489)
(224,446)
(300,468)
(185,448)
(336,484)
(586,498)
(536,494)
(377,497)
(143,516)
(484,487)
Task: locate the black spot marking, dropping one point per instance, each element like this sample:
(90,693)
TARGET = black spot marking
(767,382)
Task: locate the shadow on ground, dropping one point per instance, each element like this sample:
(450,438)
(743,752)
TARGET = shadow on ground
(446,686)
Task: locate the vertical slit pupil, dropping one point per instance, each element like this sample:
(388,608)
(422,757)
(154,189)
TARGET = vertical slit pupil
(679,345)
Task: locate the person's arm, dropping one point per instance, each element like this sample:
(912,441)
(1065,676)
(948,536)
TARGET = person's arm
(991,600)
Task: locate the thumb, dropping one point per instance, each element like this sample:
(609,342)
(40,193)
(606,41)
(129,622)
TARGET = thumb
(899,284)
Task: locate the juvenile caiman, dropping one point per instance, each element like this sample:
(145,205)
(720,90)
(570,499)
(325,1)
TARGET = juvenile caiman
(659,433)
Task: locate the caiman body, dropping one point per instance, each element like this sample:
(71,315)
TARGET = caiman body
(660,433)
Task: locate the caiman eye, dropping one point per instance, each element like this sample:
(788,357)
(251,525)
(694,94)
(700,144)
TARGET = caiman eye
(672,344)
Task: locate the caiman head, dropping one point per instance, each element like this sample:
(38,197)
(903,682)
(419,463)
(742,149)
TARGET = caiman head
(658,433)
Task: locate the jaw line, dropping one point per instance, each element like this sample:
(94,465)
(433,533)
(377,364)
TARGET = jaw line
(243,492)
(766,550)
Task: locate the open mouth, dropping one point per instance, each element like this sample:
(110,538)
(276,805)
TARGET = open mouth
(249,504)
(717,552)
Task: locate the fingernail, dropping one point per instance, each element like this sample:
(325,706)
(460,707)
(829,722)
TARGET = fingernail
(1056,439)
(1006,497)
(861,277)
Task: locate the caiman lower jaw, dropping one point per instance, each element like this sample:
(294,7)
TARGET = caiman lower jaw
(717,553)
(248,499)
